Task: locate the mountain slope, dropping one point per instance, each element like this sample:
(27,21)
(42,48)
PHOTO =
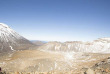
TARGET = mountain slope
(38,43)
(101,45)
(10,40)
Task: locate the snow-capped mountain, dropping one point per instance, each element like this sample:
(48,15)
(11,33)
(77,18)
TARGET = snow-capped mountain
(101,45)
(10,40)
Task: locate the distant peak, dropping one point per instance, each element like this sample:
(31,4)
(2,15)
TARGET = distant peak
(105,38)
(10,40)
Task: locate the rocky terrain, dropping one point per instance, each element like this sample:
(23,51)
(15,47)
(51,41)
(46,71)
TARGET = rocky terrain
(35,61)
(101,45)
(102,67)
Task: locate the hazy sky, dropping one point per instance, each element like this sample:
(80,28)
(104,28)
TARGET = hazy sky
(57,20)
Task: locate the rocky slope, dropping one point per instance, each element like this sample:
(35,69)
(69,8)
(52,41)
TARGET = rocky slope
(29,61)
(101,45)
(102,67)
(10,40)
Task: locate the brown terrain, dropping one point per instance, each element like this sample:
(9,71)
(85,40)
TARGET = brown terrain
(42,62)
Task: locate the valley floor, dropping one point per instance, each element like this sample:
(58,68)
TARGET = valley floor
(48,62)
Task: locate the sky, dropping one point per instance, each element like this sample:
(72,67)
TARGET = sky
(57,20)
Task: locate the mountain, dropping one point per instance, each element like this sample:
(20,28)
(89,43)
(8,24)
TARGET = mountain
(38,43)
(101,45)
(11,41)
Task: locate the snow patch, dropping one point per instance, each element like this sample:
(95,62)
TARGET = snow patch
(11,48)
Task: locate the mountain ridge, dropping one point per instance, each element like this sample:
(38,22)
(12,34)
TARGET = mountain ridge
(101,45)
